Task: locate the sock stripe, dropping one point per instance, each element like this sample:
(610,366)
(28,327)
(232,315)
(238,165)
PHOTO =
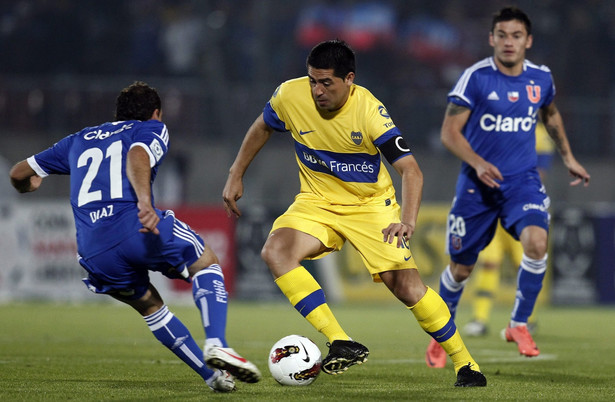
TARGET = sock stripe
(212,269)
(534,266)
(446,332)
(306,305)
(449,282)
(159,319)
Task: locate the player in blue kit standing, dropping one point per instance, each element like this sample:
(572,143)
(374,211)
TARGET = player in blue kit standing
(121,235)
(489,124)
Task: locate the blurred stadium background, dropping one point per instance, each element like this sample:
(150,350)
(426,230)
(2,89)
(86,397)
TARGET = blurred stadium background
(216,64)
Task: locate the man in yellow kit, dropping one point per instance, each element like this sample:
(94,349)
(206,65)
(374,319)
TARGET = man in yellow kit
(503,245)
(340,130)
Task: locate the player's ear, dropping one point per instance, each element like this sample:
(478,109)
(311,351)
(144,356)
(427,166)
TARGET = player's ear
(349,78)
(530,40)
(157,115)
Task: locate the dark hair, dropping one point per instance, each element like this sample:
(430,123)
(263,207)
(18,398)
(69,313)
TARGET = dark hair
(332,54)
(137,102)
(509,14)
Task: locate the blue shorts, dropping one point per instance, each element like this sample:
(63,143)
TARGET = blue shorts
(124,269)
(520,201)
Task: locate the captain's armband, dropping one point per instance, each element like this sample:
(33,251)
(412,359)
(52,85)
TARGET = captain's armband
(395,148)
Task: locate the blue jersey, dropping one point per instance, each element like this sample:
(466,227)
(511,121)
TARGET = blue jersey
(103,200)
(501,126)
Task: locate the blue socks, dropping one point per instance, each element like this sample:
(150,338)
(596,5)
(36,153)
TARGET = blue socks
(211,298)
(450,290)
(529,283)
(170,331)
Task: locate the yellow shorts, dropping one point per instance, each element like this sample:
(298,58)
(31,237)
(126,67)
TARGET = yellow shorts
(361,225)
(503,244)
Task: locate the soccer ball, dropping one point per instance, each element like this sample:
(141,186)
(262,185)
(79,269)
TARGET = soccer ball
(294,360)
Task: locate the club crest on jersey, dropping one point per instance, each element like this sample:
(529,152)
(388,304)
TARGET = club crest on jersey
(533,93)
(513,96)
(456,242)
(356,137)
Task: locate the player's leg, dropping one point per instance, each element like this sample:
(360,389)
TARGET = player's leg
(434,317)
(173,334)
(487,279)
(525,214)
(283,252)
(470,228)
(186,248)
(529,283)
(122,273)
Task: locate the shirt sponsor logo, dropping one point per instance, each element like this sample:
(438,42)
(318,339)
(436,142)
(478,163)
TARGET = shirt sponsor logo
(348,167)
(383,112)
(100,135)
(499,123)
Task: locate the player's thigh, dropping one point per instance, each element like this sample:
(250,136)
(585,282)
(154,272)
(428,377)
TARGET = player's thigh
(362,226)
(471,226)
(307,220)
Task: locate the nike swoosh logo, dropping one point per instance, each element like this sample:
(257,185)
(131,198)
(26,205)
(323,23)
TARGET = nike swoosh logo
(241,359)
(307,356)
(407,258)
(301,132)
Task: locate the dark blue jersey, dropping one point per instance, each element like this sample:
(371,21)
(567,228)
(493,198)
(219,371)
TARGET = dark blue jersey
(501,126)
(103,200)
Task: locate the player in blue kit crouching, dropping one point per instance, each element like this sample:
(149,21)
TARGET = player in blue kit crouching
(121,235)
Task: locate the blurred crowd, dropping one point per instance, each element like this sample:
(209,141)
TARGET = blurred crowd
(410,52)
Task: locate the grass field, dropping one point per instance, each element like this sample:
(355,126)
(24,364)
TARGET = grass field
(56,352)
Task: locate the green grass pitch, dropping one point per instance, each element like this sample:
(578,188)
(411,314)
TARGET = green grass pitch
(60,352)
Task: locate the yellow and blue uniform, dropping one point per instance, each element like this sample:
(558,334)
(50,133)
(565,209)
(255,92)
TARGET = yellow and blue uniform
(347,194)
(346,191)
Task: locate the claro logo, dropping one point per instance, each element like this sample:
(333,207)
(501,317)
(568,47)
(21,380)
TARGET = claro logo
(489,122)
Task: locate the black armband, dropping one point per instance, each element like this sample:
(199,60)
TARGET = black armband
(394,149)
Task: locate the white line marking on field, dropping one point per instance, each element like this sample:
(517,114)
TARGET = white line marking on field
(482,355)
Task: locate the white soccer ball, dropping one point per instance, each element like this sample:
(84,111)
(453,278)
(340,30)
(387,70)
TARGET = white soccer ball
(294,360)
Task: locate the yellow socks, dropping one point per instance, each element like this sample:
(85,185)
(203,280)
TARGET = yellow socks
(306,295)
(487,284)
(434,317)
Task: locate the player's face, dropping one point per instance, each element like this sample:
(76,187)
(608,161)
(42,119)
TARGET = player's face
(510,40)
(329,92)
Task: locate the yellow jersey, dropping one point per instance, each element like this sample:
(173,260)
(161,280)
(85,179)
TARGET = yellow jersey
(337,152)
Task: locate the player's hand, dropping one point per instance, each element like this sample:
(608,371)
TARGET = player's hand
(233,190)
(148,218)
(488,174)
(581,176)
(35,182)
(403,231)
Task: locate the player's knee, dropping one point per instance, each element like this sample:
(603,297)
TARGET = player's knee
(460,272)
(536,249)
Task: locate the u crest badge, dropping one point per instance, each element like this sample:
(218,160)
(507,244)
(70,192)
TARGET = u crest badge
(356,137)
(533,93)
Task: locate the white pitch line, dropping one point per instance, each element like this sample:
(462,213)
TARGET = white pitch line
(486,356)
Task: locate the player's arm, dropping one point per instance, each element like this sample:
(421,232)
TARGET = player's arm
(411,193)
(257,136)
(24,178)
(139,174)
(451,135)
(554,124)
